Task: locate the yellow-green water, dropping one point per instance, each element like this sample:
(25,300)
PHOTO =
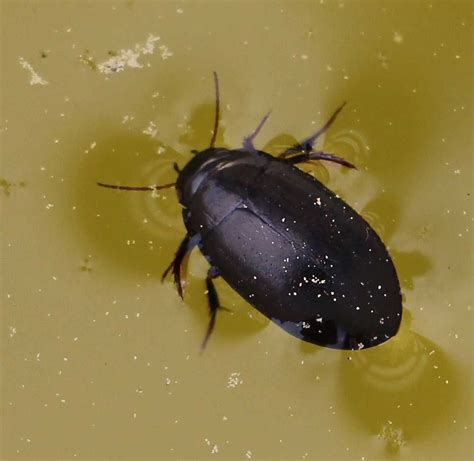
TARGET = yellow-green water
(98,358)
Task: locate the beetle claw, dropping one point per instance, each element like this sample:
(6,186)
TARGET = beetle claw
(179,289)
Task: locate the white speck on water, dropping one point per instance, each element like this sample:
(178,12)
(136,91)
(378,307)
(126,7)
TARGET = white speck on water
(234,380)
(165,52)
(151,130)
(35,78)
(126,118)
(248,454)
(11,331)
(398,38)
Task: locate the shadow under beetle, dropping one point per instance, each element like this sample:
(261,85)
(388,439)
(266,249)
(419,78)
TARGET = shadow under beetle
(287,244)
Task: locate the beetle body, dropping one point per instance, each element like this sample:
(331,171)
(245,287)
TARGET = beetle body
(286,243)
(291,248)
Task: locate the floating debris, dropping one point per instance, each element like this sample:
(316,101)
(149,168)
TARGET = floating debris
(86,266)
(129,58)
(151,130)
(234,380)
(88,60)
(35,78)
(7,185)
(392,436)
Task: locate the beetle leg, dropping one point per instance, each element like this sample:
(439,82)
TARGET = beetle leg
(213,301)
(307,144)
(247,143)
(184,249)
(307,157)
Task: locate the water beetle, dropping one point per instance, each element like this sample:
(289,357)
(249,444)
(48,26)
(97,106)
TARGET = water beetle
(287,244)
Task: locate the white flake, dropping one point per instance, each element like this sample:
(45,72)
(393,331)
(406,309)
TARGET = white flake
(129,58)
(35,78)
(234,380)
(398,38)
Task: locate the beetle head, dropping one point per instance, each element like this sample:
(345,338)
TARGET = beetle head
(197,170)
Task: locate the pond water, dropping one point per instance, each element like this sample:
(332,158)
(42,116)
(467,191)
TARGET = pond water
(101,360)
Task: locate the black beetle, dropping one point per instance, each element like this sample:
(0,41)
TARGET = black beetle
(287,244)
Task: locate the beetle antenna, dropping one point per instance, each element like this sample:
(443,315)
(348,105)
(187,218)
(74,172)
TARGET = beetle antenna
(139,188)
(216,119)
(307,144)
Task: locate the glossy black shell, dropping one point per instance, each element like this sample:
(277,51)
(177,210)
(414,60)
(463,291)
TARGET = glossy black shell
(291,247)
